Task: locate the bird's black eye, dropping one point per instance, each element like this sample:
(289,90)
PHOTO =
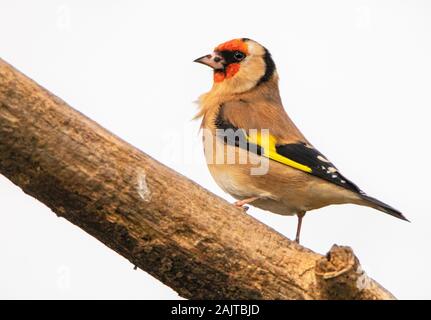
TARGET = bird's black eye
(238,55)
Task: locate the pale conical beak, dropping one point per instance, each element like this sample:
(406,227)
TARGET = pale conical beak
(213,60)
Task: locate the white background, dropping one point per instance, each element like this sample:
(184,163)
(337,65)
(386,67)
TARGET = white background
(355,76)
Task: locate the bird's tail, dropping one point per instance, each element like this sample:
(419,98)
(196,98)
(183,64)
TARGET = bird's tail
(381,206)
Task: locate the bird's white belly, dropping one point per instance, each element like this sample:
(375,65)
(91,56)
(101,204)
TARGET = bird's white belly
(231,185)
(240,185)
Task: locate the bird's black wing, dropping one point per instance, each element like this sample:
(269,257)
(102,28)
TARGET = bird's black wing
(320,166)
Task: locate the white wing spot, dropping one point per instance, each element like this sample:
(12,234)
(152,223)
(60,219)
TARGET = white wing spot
(323,159)
(332,170)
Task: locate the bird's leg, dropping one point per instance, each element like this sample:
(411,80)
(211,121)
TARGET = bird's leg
(242,203)
(298,228)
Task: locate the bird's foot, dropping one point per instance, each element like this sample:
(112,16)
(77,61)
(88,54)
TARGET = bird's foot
(242,203)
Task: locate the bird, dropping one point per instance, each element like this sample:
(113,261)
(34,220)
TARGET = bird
(243,118)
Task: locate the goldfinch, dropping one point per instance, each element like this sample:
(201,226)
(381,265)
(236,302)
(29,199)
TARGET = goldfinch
(243,113)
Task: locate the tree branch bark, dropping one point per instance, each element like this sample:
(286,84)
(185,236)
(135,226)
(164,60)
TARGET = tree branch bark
(191,240)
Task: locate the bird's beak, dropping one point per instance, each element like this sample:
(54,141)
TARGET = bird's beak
(213,60)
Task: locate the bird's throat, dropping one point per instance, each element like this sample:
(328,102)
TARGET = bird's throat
(226,73)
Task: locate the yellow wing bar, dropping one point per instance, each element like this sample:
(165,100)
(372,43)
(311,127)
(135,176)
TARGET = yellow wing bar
(268,143)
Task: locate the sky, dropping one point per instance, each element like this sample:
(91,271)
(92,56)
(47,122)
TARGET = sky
(355,76)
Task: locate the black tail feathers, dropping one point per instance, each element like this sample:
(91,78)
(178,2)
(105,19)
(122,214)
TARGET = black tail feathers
(379,205)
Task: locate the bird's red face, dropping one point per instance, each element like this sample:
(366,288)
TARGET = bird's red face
(226,59)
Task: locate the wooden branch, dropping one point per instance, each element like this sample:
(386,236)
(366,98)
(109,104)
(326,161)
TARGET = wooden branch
(191,240)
